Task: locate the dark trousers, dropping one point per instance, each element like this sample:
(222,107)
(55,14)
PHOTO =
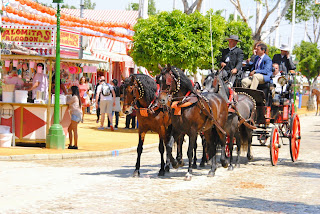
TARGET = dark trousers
(132,119)
(98,112)
(117,119)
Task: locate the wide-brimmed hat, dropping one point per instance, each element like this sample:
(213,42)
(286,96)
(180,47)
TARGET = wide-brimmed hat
(234,37)
(284,47)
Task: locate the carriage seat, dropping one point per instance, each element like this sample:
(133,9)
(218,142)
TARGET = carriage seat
(265,87)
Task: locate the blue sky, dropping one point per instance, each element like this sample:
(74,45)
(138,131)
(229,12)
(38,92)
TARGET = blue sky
(167,5)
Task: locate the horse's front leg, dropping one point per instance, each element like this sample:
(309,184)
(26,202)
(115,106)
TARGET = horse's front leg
(142,135)
(230,144)
(192,141)
(194,165)
(179,141)
(238,141)
(170,160)
(204,156)
(249,140)
(223,159)
(211,149)
(161,150)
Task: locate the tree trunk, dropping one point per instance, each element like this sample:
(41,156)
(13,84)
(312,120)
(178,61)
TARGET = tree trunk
(310,103)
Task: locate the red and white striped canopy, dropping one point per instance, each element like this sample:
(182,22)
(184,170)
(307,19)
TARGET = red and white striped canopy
(121,16)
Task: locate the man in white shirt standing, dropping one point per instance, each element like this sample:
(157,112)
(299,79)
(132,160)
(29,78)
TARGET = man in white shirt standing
(107,101)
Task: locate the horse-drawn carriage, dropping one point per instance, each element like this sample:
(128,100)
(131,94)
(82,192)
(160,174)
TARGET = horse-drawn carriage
(275,120)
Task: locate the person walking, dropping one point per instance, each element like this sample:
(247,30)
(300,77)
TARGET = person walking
(107,101)
(74,103)
(83,90)
(262,70)
(117,107)
(101,80)
(231,61)
(90,89)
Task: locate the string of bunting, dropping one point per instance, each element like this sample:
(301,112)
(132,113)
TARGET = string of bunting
(66,17)
(21,22)
(52,21)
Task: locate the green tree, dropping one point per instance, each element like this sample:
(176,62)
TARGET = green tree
(308,56)
(272,50)
(151,7)
(67,6)
(177,38)
(305,11)
(133,6)
(89,5)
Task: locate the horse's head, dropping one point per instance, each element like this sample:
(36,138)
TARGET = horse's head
(211,83)
(130,94)
(169,81)
(313,92)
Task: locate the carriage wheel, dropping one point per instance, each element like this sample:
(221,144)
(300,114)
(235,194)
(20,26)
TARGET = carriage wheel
(295,137)
(274,146)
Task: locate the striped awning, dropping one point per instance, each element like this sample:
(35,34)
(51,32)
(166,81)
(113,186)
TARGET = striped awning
(121,16)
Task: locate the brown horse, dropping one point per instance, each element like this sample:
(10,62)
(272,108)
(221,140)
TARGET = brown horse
(209,110)
(140,93)
(246,108)
(316,93)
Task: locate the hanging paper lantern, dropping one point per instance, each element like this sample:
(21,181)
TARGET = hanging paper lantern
(72,70)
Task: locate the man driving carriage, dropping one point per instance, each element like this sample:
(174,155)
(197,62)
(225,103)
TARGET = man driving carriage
(261,71)
(231,61)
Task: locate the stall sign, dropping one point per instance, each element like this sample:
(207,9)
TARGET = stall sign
(28,35)
(69,39)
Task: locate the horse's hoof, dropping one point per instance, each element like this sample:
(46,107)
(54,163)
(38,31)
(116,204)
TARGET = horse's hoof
(211,173)
(188,177)
(224,163)
(136,174)
(250,157)
(238,165)
(194,166)
(167,168)
(230,168)
(161,173)
(181,163)
(175,165)
(202,164)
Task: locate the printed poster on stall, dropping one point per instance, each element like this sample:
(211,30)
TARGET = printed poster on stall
(70,39)
(28,35)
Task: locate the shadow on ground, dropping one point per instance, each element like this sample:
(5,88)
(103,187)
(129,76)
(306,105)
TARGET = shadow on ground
(257,204)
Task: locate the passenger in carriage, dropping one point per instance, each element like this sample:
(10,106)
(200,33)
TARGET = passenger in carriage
(261,71)
(284,60)
(276,92)
(231,61)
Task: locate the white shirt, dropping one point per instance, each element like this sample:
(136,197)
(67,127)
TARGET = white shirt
(102,97)
(278,88)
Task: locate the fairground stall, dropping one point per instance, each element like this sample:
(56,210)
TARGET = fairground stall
(29,118)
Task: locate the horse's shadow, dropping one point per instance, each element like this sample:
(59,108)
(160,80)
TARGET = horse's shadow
(262,205)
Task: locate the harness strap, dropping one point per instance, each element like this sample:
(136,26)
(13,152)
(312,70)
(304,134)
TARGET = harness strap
(209,115)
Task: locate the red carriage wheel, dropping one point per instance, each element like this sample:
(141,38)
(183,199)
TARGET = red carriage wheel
(274,146)
(295,137)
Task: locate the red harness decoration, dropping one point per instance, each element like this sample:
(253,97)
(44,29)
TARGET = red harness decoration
(230,95)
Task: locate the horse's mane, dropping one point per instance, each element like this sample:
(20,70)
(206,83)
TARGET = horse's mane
(149,86)
(185,82)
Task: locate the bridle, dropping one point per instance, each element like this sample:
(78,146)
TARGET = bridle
(169,78)
(138,86)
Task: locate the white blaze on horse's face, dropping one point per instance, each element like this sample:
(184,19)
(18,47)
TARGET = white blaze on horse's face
(127,110)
